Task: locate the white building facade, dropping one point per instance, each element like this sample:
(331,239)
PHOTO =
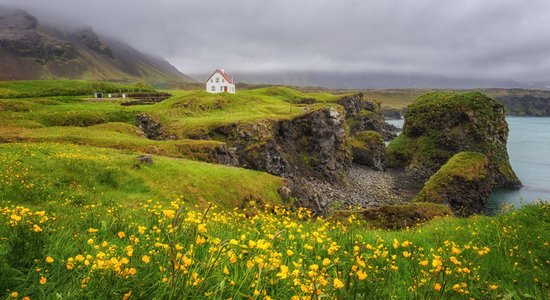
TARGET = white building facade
(220,82)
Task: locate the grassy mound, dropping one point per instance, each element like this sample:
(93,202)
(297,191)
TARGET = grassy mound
(35,173)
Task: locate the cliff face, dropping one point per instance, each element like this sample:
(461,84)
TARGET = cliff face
(30,50)
(439,125)
(314,145)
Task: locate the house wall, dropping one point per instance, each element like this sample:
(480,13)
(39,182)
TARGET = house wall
(216,83)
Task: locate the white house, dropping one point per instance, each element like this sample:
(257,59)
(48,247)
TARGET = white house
(220,82)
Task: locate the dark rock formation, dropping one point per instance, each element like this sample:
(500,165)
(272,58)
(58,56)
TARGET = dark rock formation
(464,183)
(403,216)
(152,128)
(535,103)
(364,115)
(312,145)
(441,124)
(369,149)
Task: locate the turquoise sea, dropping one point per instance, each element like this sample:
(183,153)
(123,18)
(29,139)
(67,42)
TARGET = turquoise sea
(529,151)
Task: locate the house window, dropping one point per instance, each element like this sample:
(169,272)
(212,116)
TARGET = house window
(223,80)
(211,80)
(221,88)
(217,79)
(213,88)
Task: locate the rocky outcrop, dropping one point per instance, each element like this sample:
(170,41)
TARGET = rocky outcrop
(152,128)
(312,145)
(439,125)
(404,216)
(365,115)
(464,183)
(369,149)
(535,103)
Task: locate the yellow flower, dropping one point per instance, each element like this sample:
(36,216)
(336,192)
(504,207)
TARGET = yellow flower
(436,262)
(201,228)
(326,262)
(36,228)
(424,263)
(437,287)
(289,252)
(405,244)
(132,271)
(15,218)
(79,257)
(121,234)
(200,240)
(92,230)
(395,243)
(43,280)
(284,272)
(338,284)
(493,287)
(14,294)
(49,259)
(146,259)
(361,275)
(127,295)
(406,254)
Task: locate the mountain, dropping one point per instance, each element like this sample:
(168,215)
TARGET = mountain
(31,50)
(362,80)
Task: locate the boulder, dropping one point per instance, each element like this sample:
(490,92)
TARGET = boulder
(464,183)
(438,125)
(403,216)
(369,149)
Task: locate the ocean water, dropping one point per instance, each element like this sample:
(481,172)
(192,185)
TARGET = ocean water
(529,151)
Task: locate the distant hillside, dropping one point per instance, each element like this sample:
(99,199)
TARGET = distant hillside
(31,50)
(367,80)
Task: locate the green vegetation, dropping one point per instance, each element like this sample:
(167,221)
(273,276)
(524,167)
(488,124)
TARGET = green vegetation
(83,218)
(35,173)
(165,250)
(441,124)
(366,140)
(46,88)
(469,166)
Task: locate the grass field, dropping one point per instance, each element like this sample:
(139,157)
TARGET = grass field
(82,218)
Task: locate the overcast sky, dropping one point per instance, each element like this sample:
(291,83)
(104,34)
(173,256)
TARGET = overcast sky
(506,39)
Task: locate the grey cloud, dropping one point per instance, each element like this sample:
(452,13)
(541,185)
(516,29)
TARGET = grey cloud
(455,38)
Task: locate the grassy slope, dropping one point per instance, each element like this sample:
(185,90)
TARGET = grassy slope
(33,173)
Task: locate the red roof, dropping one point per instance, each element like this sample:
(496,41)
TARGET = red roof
(224,75)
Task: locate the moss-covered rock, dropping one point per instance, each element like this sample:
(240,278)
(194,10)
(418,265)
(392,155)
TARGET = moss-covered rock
(441,124)
(365,115)
(315,144)
(464,183)
(369,149)
(402,216)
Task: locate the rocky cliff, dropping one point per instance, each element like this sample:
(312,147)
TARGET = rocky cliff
(31,50)
(441,124)
(313,145)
